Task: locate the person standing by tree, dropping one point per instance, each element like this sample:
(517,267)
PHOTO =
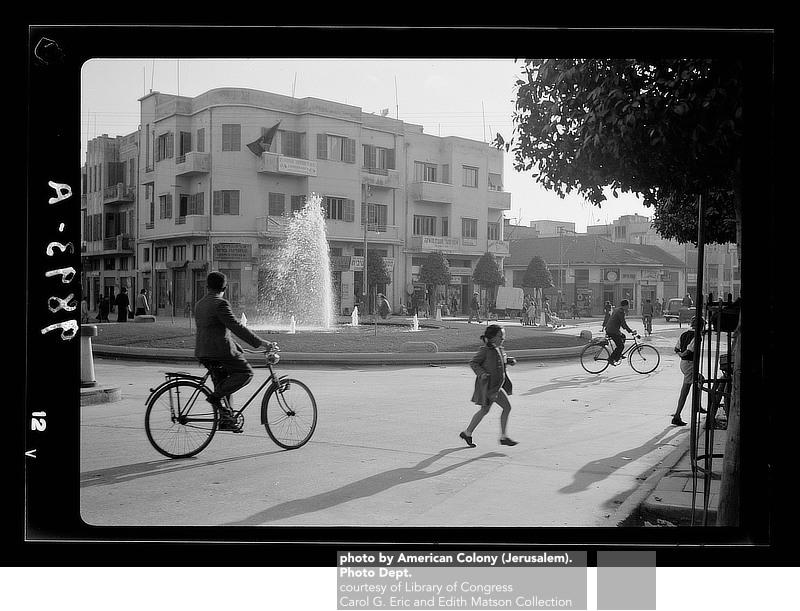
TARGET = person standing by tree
(685,349)
(474,308)
(491,383)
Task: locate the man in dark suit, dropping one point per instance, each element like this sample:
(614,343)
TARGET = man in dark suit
(216,349)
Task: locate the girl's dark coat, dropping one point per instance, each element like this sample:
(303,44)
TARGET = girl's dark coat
(491,360)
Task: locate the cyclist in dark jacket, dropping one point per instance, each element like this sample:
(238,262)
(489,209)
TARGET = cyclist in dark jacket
(616,322)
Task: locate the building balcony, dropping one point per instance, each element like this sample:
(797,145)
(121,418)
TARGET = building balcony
(121,245)
(273,163)
(119,194)
(191,163)
(192,223)
(378,177)
(499,200)
(432,192)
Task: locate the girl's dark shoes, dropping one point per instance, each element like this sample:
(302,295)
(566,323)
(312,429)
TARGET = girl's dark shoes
(505,441)
(466,438)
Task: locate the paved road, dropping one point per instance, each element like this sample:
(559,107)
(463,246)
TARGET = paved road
(386,451)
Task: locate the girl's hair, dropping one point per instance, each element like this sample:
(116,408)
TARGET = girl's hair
(491,331)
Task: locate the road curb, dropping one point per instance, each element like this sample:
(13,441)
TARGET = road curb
(334,358)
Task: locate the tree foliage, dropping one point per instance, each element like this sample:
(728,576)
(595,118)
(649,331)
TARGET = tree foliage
(377,273)
(487,271)
(537,275)
(668,130)
(435,269)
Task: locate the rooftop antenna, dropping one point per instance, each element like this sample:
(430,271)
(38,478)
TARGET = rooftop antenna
(178,69)
(294,83)
(396,102)
(152,75)
(483,112)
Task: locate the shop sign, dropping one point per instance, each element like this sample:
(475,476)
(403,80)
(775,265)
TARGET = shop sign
(340,263)
(292,165)
(611,274)
(436,243)
(232,252)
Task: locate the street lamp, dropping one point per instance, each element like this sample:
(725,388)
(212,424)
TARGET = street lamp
(562,252)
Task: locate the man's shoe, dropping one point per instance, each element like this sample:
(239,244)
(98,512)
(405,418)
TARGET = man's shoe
(466,438)
(505,441)
(677,421)
(228,423)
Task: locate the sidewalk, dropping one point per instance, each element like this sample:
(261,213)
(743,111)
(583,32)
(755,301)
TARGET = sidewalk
(678,496)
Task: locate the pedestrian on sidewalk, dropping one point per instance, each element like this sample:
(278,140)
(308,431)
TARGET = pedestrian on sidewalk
(685,349)
(103,309)
(123,303)
(84,310)
(491,383)
(606,314)
(474,308)
(142,307)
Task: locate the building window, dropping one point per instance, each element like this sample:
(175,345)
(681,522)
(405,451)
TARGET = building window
(336,148)
(469,228)
(231,137)
(161,254)
(226,202)
(297,202)
(376,215)
(424,225)
(165,206)
(445,226)
(340,209)
(199,252)
(197,203)
(179,253)
(293,144)
(493,231)
(469,177)
(201,140)
(146,254)
(277,204)
(424,172)
(379,158)
(165,146)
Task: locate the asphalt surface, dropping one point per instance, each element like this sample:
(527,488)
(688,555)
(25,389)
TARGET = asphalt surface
(593,451)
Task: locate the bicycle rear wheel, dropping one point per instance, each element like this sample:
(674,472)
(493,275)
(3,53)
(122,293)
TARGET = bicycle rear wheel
(644,359)
(289,413)
(595,358)
(179,421)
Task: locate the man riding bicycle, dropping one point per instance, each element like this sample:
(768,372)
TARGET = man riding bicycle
(215,348)
(615,322)
(647,316)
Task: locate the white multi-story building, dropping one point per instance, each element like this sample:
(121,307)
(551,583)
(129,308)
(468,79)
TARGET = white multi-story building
(219,173)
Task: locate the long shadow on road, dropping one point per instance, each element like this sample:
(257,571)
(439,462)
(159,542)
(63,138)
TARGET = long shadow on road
(363,488)
(598,470)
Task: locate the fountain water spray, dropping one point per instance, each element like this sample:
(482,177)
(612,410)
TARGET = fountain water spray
(295,282)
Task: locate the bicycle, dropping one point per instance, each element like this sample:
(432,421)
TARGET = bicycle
(180,422)
(596,355)
(647,320)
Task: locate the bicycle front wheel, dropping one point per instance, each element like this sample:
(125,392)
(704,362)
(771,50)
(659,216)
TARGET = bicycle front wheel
(289,413)
(595,358)
(179,421)
(644,359)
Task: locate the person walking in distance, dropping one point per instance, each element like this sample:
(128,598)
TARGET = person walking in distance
(216,350)
(616,322)
(647,316)
(474,308)
(491,383)
(685,349)
(607,309)
(142,307)
(123,303)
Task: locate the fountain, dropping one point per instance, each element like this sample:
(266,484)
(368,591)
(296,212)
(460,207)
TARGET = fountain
(415,323)
(295,286)
(354,317)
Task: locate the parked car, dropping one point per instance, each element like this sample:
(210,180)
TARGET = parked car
(675,310)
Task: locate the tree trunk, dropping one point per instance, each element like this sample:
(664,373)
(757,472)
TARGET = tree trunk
(730,493)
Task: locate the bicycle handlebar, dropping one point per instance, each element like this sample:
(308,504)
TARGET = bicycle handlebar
(272,349)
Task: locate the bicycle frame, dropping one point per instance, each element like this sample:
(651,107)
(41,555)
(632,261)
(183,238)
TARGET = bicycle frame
(271,381)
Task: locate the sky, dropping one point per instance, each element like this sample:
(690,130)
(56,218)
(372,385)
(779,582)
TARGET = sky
(470,98)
